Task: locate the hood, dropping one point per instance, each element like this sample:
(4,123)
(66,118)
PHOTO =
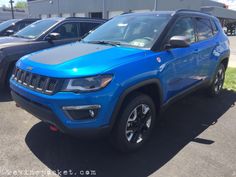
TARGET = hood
(10,41)
(78,59)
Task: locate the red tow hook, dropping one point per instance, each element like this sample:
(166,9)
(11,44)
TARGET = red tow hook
(18,106)
(53,128)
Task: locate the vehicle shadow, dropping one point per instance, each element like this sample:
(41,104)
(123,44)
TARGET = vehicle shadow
(182,122)
(5,95)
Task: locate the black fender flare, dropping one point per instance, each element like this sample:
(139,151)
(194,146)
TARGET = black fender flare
(6,63)
(221,59)
(130,90)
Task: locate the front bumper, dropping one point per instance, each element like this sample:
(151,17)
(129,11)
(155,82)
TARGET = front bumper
(46,115)
(49,108)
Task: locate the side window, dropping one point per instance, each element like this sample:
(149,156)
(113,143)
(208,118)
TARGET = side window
(24,24)
(214,27)
(86,27)
(183,27)
(13,27)
(204,29)
(67,31)
(19,26)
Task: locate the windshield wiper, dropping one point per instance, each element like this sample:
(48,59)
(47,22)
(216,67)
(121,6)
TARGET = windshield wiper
(113,43)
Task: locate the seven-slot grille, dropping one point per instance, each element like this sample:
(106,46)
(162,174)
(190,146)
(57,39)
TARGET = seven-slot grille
(35,82)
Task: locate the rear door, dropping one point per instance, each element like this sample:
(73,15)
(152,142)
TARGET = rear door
(206,44)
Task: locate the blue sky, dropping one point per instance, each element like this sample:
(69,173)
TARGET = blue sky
(231,3)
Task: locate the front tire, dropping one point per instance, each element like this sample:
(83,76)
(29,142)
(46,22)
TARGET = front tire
(218,82)
(135,124)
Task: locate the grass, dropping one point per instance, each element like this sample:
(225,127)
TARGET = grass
(230,79)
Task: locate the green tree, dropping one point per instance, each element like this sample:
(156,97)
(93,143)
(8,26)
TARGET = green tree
(21,5)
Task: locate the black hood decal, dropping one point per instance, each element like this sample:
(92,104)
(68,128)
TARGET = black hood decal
(65,53)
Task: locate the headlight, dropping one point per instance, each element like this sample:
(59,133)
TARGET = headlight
(87,84)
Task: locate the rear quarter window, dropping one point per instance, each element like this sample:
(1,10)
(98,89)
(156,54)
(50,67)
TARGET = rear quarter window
(214,27)
(204,29)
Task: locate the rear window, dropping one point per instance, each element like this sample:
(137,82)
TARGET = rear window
(87,26)
(204,29)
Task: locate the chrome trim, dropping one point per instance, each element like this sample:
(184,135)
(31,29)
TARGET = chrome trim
(84,107)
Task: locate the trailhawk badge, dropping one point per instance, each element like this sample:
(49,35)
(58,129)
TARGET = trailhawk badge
(29,68)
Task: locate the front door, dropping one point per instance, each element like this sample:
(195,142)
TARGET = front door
(180,70)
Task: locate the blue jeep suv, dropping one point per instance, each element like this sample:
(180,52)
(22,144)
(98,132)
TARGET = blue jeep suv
(117,79)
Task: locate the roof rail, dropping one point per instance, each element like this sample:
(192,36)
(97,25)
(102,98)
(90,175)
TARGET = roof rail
(190,10)
(128,12)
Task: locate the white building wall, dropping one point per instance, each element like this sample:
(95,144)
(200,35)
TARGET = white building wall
(80,15)
(112,14)
(111,8)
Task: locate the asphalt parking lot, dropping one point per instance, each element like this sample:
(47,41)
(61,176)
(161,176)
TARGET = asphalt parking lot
(196,137)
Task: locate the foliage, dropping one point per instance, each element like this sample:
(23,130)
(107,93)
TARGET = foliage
(21,5)
(230,79)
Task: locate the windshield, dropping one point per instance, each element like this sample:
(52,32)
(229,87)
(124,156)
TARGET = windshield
(140,30)
(36,29)
(6,24)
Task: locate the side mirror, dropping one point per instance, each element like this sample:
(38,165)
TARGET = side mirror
(53,36)
(10,32)
(178,42)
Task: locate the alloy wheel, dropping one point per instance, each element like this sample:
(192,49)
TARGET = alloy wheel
(138,124)
(219,80)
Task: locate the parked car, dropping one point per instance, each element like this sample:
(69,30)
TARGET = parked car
(40,35)
(12,26)
(120,76)
(231,29)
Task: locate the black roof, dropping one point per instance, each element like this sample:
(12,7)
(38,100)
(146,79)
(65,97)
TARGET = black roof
(193,12)
(85,18)
(60,19)
(29,19)
(179,11)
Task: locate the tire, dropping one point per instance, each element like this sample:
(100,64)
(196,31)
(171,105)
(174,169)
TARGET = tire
(216,86)
(135,123)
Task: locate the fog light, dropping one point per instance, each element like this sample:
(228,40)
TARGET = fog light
(91,113)
(82,112)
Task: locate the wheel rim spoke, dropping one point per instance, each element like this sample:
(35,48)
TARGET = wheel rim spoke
(136,138)
(148,122)
(130,135)
(145,109)
(138,123)
(219,81)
